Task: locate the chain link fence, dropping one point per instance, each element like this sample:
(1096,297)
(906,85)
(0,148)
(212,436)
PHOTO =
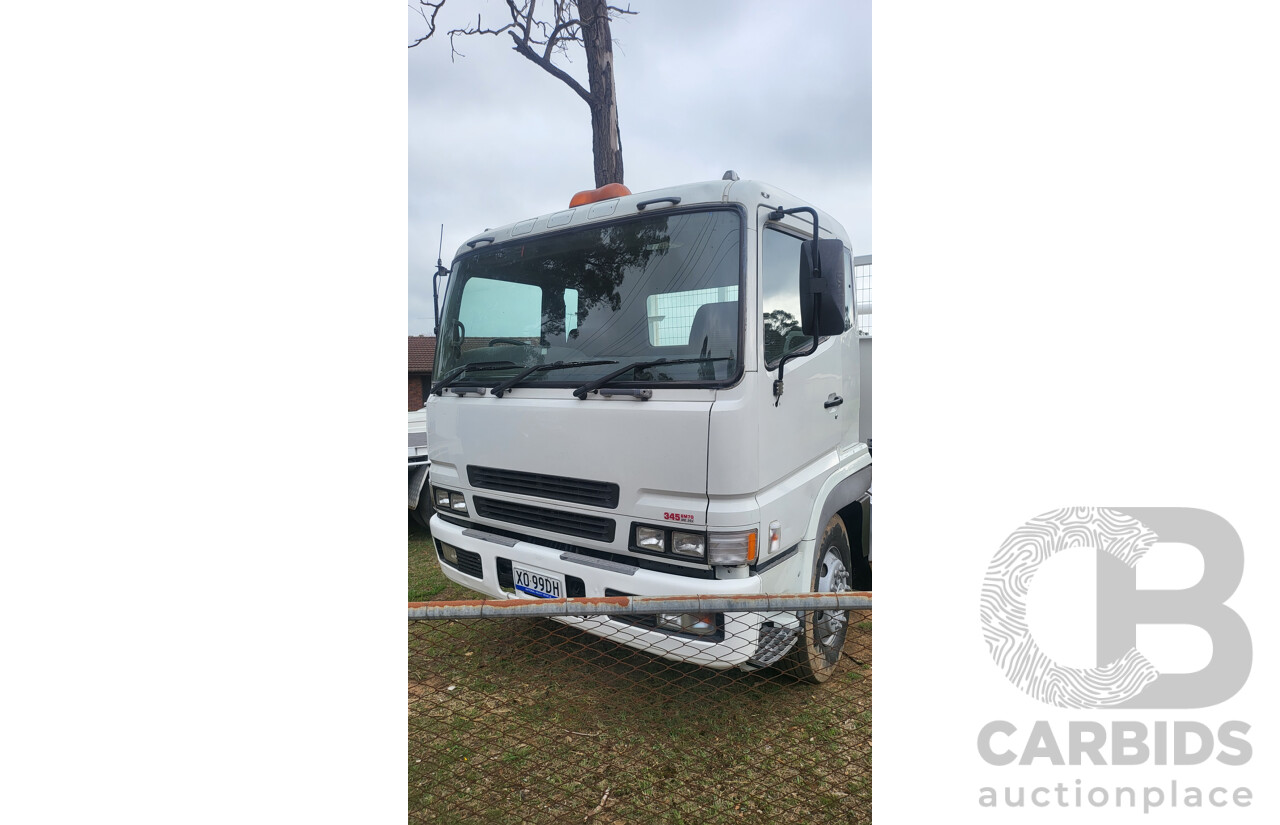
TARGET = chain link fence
(516,716)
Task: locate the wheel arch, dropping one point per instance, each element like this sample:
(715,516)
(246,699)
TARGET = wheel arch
(846,495)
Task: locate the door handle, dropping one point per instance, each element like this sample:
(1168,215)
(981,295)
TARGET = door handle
(833,400)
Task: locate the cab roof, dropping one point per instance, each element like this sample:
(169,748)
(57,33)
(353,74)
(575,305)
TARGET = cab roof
(749,193)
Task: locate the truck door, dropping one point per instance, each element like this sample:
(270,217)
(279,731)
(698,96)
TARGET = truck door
(800,436)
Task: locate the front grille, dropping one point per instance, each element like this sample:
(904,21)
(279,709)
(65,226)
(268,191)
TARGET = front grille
(576,490)
(556,521)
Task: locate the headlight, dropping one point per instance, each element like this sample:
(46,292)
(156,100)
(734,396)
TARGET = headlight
(669,621)
(449,501)
(703,624)
(732,548)
(651,538)
(689,544)
(698,624)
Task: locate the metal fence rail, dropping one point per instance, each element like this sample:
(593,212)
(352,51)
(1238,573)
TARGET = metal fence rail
(636,605)
(518,713)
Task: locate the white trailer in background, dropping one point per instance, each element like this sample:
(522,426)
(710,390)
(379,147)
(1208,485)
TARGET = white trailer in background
(659,394)
(419,467)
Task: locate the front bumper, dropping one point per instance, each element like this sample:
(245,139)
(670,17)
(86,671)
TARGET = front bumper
(741,630)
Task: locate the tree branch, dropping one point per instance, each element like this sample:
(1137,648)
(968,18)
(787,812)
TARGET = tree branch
(478,28)
(556,40)
(550,68)
(528,34)
(431,21)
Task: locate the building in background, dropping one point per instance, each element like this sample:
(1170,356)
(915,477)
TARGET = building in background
(422,354)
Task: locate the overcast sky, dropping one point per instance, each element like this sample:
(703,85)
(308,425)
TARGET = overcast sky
(779,92)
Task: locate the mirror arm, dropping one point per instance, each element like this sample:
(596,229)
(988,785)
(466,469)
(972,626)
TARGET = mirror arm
(441,272)
(777,385)
(779,213)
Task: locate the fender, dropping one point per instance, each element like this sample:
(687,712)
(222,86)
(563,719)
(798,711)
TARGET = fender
(845,486)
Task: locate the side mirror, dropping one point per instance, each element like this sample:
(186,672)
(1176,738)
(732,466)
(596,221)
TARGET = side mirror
(826,280)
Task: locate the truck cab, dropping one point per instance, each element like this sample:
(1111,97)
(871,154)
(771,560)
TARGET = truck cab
(658,394)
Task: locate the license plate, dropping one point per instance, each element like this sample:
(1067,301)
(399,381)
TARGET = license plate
(537,582)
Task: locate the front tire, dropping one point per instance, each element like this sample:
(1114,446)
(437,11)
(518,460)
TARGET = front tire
(822,632)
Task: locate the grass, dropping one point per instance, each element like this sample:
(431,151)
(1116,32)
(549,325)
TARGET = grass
(529,720)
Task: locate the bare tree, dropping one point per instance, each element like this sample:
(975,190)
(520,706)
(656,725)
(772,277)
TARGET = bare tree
(542,37)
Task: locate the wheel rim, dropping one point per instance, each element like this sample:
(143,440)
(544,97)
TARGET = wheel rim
(829,625)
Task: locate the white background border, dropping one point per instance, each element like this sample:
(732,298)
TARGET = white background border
(1074,233)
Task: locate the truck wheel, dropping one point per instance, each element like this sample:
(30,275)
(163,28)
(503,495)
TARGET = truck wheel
(822,632)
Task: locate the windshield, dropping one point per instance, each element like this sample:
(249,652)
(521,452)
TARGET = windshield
(651,288)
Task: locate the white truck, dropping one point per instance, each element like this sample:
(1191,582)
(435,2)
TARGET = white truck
(659,394)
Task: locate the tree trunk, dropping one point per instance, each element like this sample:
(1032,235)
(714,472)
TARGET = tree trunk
(606,139)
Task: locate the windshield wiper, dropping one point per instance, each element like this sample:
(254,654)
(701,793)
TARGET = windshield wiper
(597,383)
(526,372)
(456,373)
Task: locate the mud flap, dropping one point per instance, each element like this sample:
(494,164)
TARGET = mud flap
(417,479)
